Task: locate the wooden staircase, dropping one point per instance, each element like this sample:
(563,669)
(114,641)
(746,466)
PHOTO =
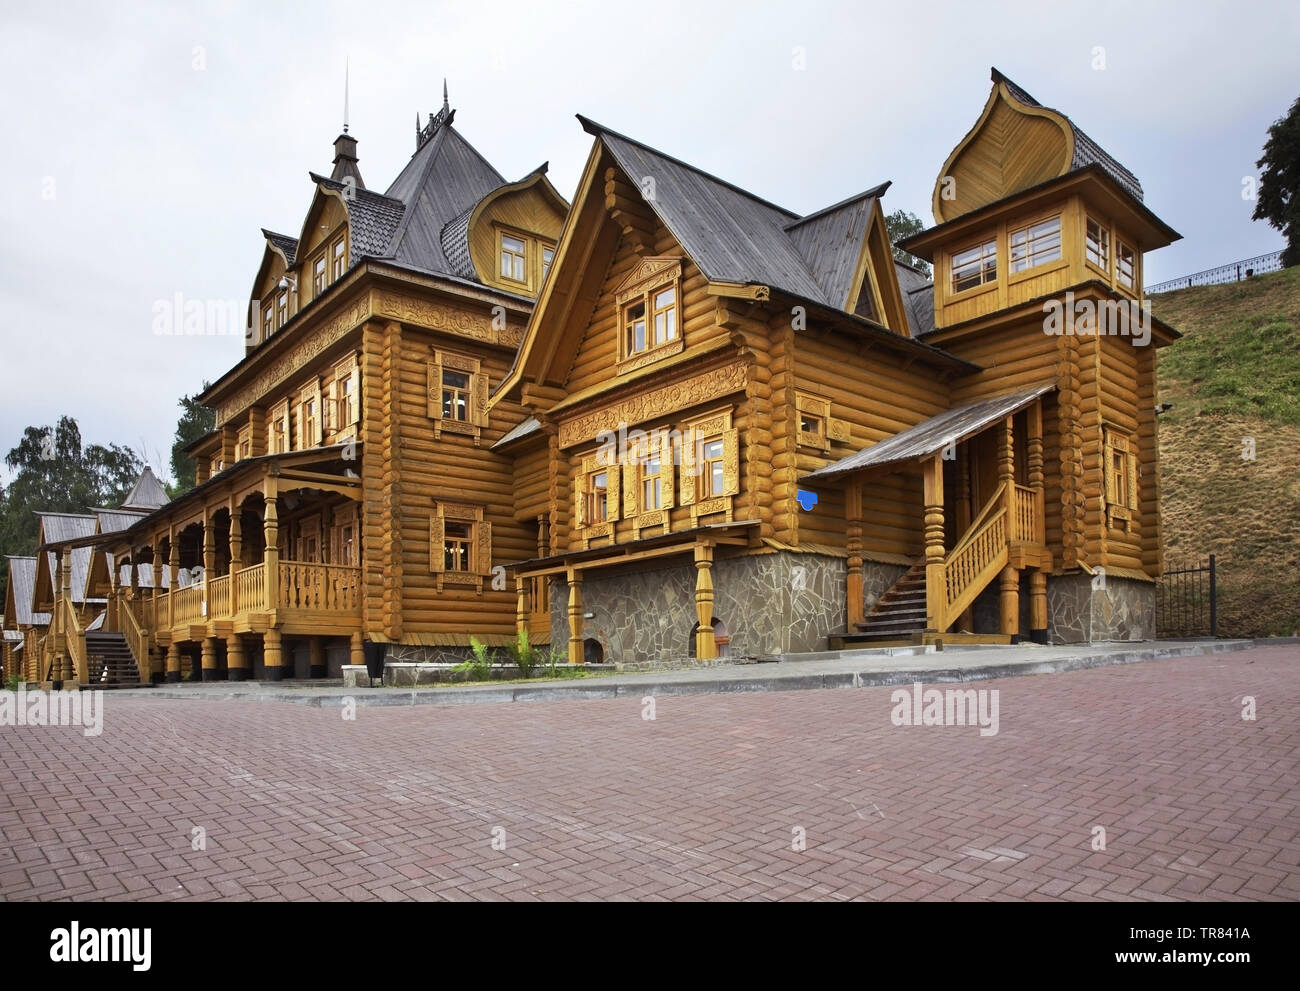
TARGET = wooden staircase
(899,614)
(111,661)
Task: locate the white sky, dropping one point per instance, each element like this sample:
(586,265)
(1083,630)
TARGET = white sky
(163,173)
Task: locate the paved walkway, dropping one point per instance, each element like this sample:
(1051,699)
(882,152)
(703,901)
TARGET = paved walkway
(800,672)
(763,795)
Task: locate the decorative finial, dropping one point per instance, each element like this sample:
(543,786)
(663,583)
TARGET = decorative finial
(346,67)
(445,105)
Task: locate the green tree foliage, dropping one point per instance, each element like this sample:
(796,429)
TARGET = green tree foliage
(1279,182)
(52,472)
(901,224)
(196,421)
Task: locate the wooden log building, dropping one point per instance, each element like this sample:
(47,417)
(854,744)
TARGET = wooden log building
(674,420)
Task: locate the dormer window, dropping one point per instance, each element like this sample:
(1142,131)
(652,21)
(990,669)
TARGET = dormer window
(339,264)
(975,266)
(318,276)
(282,309)
(514,258)
(268,321)
(1125,265)
(1036,244)
(1097,248)
(548,256)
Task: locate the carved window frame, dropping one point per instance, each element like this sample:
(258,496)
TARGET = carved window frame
(478,395)
(715,425)
(1120,479)
(527,240)
(310,436)
(584,528)
(659,441)
(480,541)
(279,417)
(649,277)
(346,371)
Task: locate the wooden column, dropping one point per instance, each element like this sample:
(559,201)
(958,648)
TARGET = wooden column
(173,578)
(62,668)
(854,609)
(356,651)
(271,655)
(236,659)
(316,651)
(575,617)
(1007,467)
(706,647)
(173,663)
(209,659)
(236,555)
(1010,589)
(1034,468)
(521,603)
(209,566)
(936,591)
(1038,606)
(965,515)
(271,556)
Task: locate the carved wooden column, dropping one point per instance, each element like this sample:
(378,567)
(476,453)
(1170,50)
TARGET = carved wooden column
(965,514)
(236,659)
(575,617)
(1038,606)
(1034,468)
(521,603)
(356,652)
(271,655)
(1010,591)
(209,566)
(936,591)
(854,611)
(236,556)
(316,652)
(173,578)
(706,647)
(271,555)
(209,658)
(173,662)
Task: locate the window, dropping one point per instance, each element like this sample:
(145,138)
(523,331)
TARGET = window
(280,428)
(598,498)
(1125,265)
(245,443)
(710,471)
(268,321)
(347,401)
(513,258)
(456,547)
(282,309)
(347,545)
(816,427)
(548,256)
(455,395)
(460,544)
(340,262)
(974,266)
(1097,248)
(634,321)
(309,405)
(649,313)
(318,276)
(812,425)
(652,483)
(1036,244)
(1119,466)
(712,461)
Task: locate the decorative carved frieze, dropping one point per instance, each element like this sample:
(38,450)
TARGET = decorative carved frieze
(449,319)
(697,389)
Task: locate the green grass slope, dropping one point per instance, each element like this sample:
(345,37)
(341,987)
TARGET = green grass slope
(1235,375)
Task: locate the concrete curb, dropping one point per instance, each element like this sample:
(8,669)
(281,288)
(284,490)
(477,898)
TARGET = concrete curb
(783,678)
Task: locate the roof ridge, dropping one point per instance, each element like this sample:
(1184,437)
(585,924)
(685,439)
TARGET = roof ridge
(356,190)
(595,129)
(875,191)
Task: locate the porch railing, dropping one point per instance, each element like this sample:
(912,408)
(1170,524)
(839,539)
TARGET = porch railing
(189,605)
(1028,520)
(250,588)
(75,640)
(219,596)
(319,587)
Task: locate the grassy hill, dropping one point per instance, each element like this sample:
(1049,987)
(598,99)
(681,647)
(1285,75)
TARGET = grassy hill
(1235,374)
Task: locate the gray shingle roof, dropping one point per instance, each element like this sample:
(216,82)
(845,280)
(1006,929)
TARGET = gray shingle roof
(523,429)
(932,435)
(830,241)
(22,581)
(285,244)
(148,493)
(372,219)
(1086,151)
(918,297)
(56,527)
(455,245)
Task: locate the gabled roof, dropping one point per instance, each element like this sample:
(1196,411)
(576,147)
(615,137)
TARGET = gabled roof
(918,298)
(20,595)
(830,240)
(148,493)
(930,436)
(55,528)
(525,428)
(372,218)
(733,235)
(287,246)
(1086,151)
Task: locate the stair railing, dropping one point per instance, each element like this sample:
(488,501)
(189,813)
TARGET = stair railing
(137,641)
(975,560)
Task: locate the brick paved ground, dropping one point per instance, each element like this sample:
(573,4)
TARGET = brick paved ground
(702,802)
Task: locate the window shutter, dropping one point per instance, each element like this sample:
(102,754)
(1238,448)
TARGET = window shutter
(730,462)
(580,501)
(666,450)
(479,399)
(613,477)
(320,416)
(328,408)
(483,552)
(631,481)
(434,382)
(1108,466)
(1131,462)
(690,468)
(437,543)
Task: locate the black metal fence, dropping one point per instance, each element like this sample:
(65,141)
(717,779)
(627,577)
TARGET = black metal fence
(1232,272)
(1187,601)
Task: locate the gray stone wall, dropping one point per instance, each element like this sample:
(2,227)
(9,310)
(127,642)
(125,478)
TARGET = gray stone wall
(1124,609)
(401,653)
(877,579)
(769,604)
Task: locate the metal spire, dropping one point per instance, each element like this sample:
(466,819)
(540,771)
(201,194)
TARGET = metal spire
(346,67)
(445,106)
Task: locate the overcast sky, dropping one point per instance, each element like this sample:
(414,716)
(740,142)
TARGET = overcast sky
(146,144)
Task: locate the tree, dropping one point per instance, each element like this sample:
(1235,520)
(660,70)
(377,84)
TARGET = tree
(196,421)
(53,473)
(1279,182)
(901,224)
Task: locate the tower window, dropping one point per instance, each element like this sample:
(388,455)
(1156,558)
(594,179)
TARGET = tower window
(974,266)
(1036,244)
(1125,265)
(513,258)
(1098,245)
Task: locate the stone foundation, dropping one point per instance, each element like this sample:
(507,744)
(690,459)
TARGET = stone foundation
(1124,609)
(776,603)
